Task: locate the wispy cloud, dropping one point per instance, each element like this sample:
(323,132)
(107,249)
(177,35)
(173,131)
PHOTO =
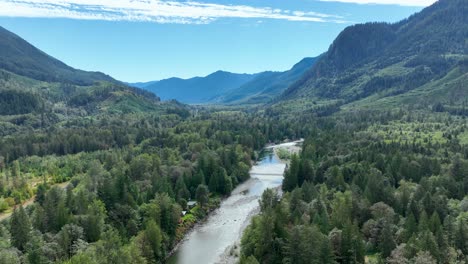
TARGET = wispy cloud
(388,2)
(159,11)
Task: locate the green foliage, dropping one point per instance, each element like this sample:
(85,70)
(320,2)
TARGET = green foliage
(249,260)
(137,170)
(202,195)
(93,223)
(20,228)
(9,257)
(387,242)
(17,103)
(3,205)
(291,176)
(369,196)
(381,65)
(391,184)
(150,241)
(283,154)
(269,200)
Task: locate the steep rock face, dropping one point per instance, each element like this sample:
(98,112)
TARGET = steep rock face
(357,44)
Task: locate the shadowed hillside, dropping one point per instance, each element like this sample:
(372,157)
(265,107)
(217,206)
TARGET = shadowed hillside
(379,60)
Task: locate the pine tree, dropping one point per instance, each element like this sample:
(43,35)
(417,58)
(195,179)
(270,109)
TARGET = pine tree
(427,203)
(269,200)
(423,222)
(153,236)
(461,237)
(62,215)
(387,243)
(20,228)
(214,182)
(414,209)
(290,177)
(352,247)
(197,179)
(227,185)
(292,248)
(411,227)
(434,222)
(326,255)
(202,195)
(442,243)
(459,169)
(249,260)
(181,189)
(35,249)
(449,228)
(427,242)
(94,224)
(15,169)
(41,193)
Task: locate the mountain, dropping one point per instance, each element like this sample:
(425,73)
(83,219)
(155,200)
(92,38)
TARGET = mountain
(38,89)
(228,88)
(20,57)
(378,63)
(267,85)
(198,89)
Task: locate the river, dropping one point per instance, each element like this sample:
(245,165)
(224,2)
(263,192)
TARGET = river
(211,241)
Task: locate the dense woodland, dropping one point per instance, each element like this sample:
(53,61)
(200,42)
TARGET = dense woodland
(386,187)
(370,187)
(93,171)
(125,181)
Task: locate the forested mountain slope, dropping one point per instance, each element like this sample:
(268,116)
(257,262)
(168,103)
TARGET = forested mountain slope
(383,176)
(385,182)
(369,187)
(228,88)
(378,62)
(198,89)
(266,85)
(128,164)
(37,91)
(20,57)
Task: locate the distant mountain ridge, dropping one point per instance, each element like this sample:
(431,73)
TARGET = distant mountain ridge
(20,57)
(39,89)
(228,88)
(378,62)
(198,89)
(267,85)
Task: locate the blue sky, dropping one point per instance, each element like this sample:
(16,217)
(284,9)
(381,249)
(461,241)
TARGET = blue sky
(147,40)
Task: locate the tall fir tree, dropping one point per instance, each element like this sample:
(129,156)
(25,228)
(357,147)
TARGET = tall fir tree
(20,228)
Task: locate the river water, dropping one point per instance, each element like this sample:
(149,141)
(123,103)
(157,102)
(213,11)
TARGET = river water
(210,241)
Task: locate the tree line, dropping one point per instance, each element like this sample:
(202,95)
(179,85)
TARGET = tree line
(353,195)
